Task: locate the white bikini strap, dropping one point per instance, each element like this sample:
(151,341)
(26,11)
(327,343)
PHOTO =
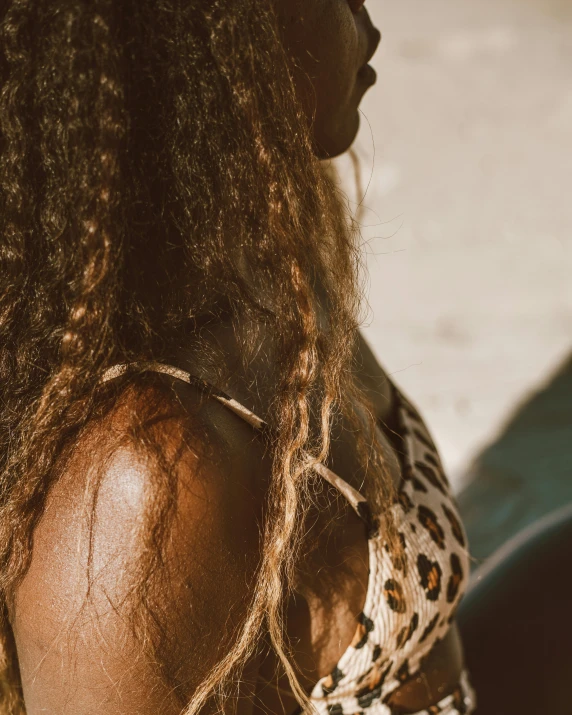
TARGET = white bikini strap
(355,498)
(226,400)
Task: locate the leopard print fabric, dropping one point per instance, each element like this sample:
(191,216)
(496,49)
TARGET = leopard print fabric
(411,601)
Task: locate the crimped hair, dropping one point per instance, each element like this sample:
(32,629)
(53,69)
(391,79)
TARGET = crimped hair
(121,228)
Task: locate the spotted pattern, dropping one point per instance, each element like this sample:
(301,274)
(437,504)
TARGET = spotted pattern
(365,626)
(430,522)
(394,596)
(455,579)
(412,595)
(455,524)
(430,576)
(430,628)
(407,632)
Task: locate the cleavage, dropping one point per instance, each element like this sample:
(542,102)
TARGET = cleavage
(332,576)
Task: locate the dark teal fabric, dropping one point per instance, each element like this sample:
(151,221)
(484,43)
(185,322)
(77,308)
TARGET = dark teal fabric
(526,473)
(516,623)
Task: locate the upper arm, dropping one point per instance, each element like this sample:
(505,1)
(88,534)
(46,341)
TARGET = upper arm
(79,643)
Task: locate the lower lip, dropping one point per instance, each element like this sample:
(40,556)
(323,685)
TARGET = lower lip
(367,74)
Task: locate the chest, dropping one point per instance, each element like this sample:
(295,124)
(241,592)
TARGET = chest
(332,575)
(346,581)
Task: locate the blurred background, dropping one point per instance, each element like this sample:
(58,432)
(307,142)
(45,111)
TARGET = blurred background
(465,148)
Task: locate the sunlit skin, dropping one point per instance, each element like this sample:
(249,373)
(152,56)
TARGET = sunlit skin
(333,582)
(331,42)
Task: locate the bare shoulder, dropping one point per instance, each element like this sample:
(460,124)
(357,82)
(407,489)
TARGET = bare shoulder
(178,496)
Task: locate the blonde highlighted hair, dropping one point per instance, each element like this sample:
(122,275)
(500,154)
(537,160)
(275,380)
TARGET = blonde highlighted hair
(121,227)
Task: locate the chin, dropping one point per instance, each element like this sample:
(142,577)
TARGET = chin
(333,143)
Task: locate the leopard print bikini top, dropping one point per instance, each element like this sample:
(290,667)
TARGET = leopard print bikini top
(410,602)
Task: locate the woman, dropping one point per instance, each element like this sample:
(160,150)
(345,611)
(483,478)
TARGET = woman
(213,498)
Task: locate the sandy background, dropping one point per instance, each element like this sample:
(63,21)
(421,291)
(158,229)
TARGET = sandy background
(468,227)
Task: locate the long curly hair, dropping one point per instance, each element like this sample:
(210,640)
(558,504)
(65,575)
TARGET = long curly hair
(157,167)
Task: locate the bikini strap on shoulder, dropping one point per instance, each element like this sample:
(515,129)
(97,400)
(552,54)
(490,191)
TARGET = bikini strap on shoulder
(151,366)
(353,496)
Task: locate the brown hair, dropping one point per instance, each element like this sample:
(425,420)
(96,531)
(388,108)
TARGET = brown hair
(121,227)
